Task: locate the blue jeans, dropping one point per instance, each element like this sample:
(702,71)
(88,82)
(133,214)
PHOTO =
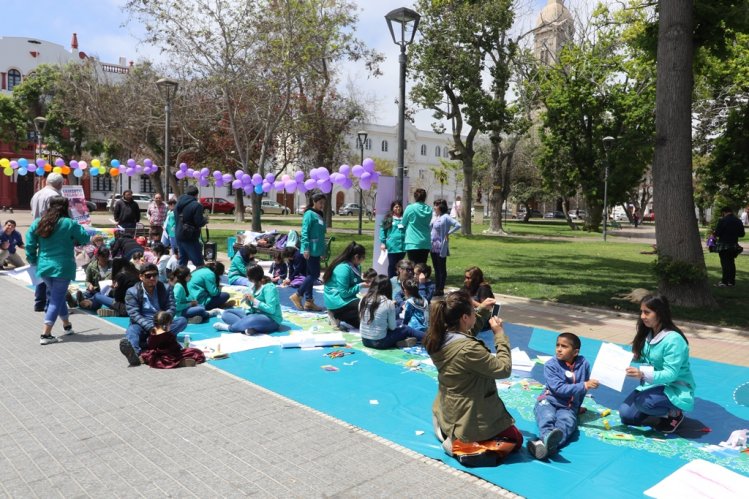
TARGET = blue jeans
(56,304)
(217,301)
(239,320)
(549,417)
(190,251)
(137,336)
(313,273)
(100,299)
(240,281)
(392,337)
(197,311)
(641,404)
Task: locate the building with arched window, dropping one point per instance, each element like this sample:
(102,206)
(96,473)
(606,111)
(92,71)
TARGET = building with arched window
(384,146)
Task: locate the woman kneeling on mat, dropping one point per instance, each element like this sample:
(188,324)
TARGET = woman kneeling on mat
(378,327)
(343,281)
(264,315)
(666,383)
(470,419)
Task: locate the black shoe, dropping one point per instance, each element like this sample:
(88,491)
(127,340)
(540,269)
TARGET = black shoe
(38,309)
(669,424)
(129,352)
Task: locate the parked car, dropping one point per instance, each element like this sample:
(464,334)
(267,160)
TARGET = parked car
(554,214)
(143,201)
(219,205)
(352,209)
(534,214)
(270,207)
(578,214)
(301,209)
(649,217)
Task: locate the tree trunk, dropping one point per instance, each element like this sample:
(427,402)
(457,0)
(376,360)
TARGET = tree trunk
(677,234)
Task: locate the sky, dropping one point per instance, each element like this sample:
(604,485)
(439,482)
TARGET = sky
(103,30)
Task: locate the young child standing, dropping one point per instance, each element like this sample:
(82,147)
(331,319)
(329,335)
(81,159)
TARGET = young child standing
(567,381)
(278,269)
(163,351)
(416,308)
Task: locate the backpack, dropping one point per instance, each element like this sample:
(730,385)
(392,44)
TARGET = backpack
(292,240)
(280,242)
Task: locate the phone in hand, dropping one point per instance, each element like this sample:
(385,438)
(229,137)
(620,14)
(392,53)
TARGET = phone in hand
(497,309)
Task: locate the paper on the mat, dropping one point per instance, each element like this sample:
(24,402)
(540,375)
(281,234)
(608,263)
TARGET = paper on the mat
(383,258)
(306,340)
(27,274)
(236,342)
(544,358)
(520,360)
(105,285)
(610,367)
(698,479)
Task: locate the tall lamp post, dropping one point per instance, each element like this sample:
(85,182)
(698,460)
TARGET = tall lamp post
(361,139)
(403,24)
(608,143)
(40,123)
(167,89)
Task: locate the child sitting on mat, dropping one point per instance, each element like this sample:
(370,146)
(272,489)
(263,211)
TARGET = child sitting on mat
(416,308)
(163,351)
(423,272)
(567,381)
(278,269)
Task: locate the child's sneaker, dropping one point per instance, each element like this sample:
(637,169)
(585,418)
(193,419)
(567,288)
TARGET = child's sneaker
(129,352)
(67,330)
(47,339)
(407,343)
(106,312)
(669,424)
(195,320)
(216,312)
(552,441)
(221,326)
(537,449)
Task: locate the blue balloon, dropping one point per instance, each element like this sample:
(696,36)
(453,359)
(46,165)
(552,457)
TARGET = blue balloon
(22,171)
(23,163)
(78,172)
(259,189)
(93,171)
(40,171)
(115,163)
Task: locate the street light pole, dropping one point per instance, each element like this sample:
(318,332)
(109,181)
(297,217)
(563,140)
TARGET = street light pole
(608,142)
(362,139)
(168,89)
(406,21)
(40,122)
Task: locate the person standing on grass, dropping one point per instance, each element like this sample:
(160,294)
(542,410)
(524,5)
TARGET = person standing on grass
(392,236)
(728,232)
(441,227)
(39,205)
(416,219)
(50,248)
(313,247)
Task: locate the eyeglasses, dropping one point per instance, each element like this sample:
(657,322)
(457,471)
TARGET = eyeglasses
(151,275)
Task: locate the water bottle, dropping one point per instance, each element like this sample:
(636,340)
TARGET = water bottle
(186,341)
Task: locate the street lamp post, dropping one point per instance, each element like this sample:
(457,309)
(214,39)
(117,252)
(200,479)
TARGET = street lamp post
(167,89)
(362,139)
(406,22)
(40,123)
(608,143)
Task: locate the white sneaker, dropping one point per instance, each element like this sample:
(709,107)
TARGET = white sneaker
(216,312)
(67,330)
(46,340)
(221,326)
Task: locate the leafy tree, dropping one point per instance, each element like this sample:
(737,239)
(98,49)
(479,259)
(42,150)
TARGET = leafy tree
(13,122)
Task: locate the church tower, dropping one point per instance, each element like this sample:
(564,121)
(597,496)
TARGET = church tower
(554,28)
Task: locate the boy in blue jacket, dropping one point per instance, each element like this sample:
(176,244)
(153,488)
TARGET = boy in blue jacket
(567,381)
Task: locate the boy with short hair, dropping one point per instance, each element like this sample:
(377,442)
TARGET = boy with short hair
(567,381)
(423,272)
(10,239)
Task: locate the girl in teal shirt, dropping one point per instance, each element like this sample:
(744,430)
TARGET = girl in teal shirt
(343,282)
(392,235)
(264,314)
(313,247)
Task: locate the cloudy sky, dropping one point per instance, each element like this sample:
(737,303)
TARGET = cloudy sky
(103,31)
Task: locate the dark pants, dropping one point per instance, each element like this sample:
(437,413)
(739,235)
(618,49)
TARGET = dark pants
(641,404)
(418,256)
(728,265)
(440,272)
(313,274)
(348,313)
(192,251)
(392,337)
(40,297)
(393,259)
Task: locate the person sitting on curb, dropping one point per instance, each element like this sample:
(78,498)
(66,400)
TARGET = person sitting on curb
(142,302)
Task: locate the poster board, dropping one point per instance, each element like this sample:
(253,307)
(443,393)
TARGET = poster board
(77,198)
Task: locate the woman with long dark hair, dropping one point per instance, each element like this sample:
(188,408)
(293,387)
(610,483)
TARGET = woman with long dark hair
(476,285)
(666,383)
(313,247)
(442,225)
(378,325)
(392,236)
(185,305)
(343,281)
(264,315)
(50,243)
(470,419)
(205,286)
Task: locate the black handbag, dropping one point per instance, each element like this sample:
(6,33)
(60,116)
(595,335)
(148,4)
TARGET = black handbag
(210,248)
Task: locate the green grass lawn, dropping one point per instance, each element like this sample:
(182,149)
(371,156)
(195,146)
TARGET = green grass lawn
(580,271)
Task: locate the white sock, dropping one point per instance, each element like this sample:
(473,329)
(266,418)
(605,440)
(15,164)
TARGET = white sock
(221,326)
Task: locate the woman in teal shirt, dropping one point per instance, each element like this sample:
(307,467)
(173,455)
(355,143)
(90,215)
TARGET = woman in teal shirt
(416,218)
(205,286)
(264,314)
(343,281)
(49,247)
(313,247)
(392,236)
(666,383)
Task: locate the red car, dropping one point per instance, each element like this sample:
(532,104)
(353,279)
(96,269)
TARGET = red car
(219,205)
(650,217)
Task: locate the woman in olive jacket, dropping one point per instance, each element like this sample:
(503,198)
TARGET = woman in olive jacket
(470,418)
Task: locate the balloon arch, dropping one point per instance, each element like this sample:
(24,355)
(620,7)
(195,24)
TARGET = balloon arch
(319,178)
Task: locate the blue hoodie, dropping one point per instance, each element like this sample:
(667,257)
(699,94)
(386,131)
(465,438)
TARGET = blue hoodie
(565,385)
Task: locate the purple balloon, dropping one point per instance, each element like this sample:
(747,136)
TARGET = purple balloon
(180,174)
(203,182)
(131,163)
(345,170)
(73,164)
(236,185)
(366,177)
(325,186)
(301,187)
(190,171)
(138,168)
(313,174)
(270,178)
(290,185)
(265,187)
(217,174)
(249,189)
(129,171)
(147,162)
(40,162)
(238,174)
(205,172)
(257,179)
(375,177)
(183,166)
(348,183)
(310,184)
(196,175)
(365,184)
(247,180)
(154,169)
(357,170)
(226,177)
(369,165)
(299,177)
(323,172)
(59,162)
(219,182)
(278,185)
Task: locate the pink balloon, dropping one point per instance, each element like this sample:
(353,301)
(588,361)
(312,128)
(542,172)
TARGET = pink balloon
(285,178)
(357,170)
(82,165)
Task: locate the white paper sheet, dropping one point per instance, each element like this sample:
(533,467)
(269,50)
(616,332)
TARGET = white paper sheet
(236,342)
(701,479)
(383,258)
(105,285)
(611,365)
(520,360)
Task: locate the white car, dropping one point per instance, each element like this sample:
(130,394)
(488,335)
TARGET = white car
(143,201)
(270,207)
